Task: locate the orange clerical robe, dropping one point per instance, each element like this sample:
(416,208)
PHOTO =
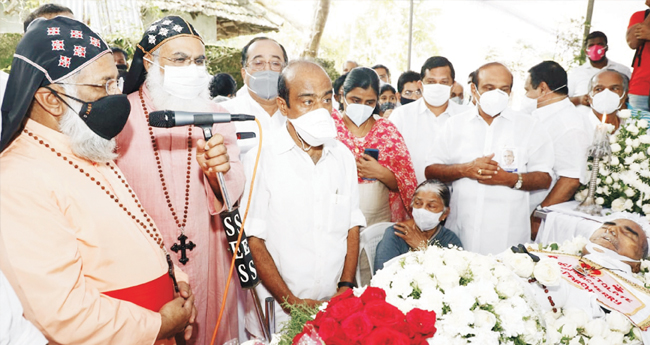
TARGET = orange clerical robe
(64,243)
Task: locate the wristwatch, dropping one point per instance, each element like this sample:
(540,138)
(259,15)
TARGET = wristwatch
(520,181)
(348,284)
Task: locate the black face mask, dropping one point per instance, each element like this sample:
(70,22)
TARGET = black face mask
(106,116)
(121,67)
(405,101)
(386,106)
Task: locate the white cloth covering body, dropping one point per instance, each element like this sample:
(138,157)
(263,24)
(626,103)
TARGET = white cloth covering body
(489,219)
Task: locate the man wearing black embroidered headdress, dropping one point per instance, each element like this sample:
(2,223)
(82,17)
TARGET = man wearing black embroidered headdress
(173,170)
(85,259)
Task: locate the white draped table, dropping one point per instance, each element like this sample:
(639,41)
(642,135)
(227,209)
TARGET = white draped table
(562,222)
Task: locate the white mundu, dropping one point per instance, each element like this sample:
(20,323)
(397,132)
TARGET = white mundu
(489,219)
(419,127)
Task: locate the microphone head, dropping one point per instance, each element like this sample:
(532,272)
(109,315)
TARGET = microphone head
(162,118)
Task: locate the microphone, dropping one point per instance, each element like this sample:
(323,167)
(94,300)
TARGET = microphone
(173,118)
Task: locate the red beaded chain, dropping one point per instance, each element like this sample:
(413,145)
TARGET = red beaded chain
(154,144)
(550,299)
(153,232)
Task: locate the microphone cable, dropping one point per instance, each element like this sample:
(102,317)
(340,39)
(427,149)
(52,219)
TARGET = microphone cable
(241,232)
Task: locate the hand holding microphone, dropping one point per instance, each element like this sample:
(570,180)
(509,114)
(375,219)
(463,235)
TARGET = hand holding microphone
(212,155)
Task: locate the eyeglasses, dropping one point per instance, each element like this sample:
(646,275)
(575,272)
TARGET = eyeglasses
(259,64)
(112,86)
(186,61)
(410,93)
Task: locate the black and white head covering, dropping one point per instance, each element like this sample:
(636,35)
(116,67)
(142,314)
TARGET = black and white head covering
(156,35)
(50,51)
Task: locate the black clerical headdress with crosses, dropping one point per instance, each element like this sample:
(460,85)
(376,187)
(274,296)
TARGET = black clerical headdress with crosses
(50,51)
(156,35)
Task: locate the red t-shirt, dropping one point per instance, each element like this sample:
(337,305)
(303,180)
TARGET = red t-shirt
(640,81)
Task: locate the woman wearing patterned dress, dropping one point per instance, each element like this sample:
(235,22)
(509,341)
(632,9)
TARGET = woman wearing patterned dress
(386,185)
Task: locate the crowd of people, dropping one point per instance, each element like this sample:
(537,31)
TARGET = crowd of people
(110,229)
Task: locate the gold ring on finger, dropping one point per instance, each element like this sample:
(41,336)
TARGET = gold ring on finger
(480,171)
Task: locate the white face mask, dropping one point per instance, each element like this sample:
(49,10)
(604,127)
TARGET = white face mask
(605,102)
(186,82)
(457,99)
(426,220)
(358,113)
(315,127)
(493,102)
(436,94)
(528,105)
(597,249)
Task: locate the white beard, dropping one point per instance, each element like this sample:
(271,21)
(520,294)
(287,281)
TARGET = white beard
(84,142)
(163,100)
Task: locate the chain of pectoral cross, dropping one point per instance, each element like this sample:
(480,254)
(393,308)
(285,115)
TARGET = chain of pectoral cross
(183,239)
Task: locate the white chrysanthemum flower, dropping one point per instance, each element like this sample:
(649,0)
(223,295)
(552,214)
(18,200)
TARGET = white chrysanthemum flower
(618,322)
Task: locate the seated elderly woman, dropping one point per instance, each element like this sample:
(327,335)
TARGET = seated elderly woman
(430,205)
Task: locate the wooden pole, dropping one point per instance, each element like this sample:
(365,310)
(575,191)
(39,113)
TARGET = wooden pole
(590,11)
(320,19)
(411,36)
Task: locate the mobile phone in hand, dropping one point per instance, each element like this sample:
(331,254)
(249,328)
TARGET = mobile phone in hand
(374,153)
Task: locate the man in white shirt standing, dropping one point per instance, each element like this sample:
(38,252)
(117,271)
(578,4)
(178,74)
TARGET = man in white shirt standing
(546,90)
(493,156)
(262,62)
(304,218)
(419,122)
(579,77)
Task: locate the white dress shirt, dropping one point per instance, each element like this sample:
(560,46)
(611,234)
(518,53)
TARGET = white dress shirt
(243,103)
(303,212)
(489,219)
(579,76)
(4,77)
(419,127)
(570,136)
(14,328)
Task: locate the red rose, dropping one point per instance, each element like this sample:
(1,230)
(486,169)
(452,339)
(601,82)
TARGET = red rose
(404,328)
(329,328)
(373,293)
(422,321)
(382,314)
(419,339)
(386,336)
(318,319)
(297,338)
(346,294)
(356,326)
(344,308)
